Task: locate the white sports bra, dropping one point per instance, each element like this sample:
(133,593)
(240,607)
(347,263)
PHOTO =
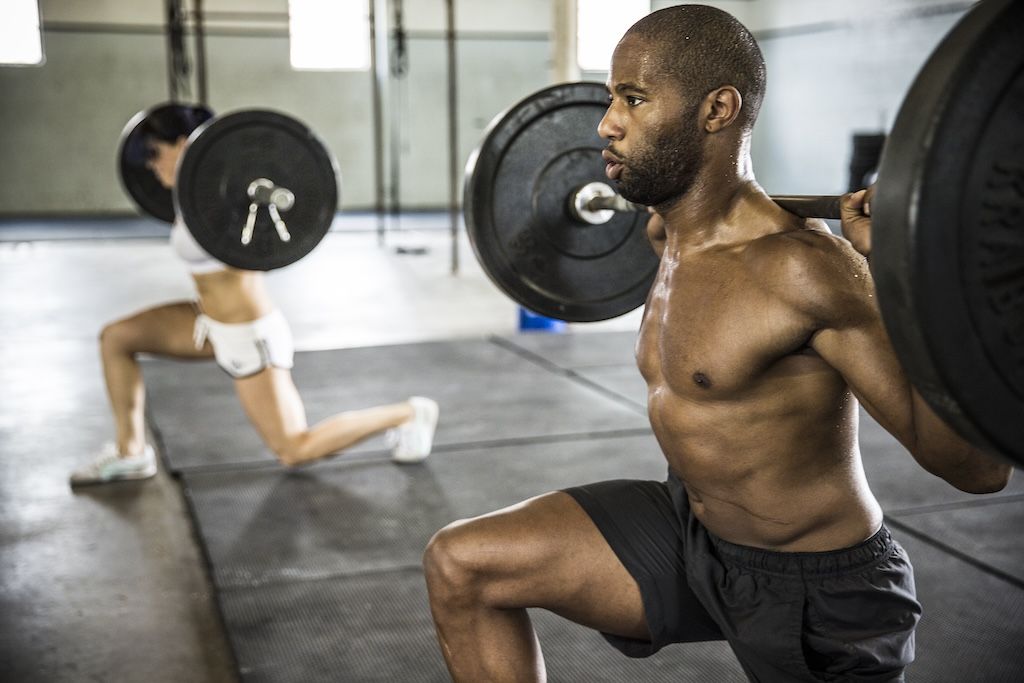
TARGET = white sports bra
(195,257)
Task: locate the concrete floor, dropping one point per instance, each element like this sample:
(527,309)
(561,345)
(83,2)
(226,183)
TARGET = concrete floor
(108,584)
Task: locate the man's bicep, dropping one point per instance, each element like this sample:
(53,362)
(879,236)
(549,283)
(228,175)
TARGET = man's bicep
(866,360)
(852,339)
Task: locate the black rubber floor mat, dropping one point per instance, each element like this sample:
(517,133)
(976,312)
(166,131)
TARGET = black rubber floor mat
(578,350)
(317,570)
(486,393)
(986,532)
(900,483)
(973,623)
(622,380)
(262,526)
(377,627)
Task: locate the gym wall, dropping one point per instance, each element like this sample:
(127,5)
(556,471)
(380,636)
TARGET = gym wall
(834,68)
(830,74)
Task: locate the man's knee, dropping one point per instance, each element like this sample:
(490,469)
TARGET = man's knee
(451,564)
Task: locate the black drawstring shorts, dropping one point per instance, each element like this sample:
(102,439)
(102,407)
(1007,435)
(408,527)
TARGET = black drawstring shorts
(843,615)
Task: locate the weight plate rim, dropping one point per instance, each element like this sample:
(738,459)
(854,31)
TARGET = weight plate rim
(125,170)
(481,172)
(904,196)
(998,423)
(473,178)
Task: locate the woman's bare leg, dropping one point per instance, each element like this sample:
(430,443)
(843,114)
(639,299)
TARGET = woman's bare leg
(275,408)
(163,330)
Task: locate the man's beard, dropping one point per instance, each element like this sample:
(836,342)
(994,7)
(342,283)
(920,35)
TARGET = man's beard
(664,170)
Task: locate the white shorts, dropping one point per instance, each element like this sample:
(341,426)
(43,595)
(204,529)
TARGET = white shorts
(243,349)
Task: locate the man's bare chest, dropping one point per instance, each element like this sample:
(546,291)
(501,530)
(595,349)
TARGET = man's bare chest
(716,332)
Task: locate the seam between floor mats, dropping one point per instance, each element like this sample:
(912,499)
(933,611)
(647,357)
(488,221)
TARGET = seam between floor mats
(557,369)
(292,580)
(955,552)
(958,505)
(208,571)
(382,456)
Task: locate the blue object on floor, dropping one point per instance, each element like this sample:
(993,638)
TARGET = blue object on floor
(534,322)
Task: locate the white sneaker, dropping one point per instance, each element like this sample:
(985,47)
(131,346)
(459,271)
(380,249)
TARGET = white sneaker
(109,466)
(412,441)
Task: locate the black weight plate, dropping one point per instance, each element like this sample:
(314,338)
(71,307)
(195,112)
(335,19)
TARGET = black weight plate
(133,153)
(948,232)
(221,160)
(516,204)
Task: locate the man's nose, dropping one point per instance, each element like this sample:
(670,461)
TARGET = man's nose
(609,127)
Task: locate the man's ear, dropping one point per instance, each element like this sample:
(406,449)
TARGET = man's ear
(721,108)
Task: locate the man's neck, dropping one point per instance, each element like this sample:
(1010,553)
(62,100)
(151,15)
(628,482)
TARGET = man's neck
(718,206)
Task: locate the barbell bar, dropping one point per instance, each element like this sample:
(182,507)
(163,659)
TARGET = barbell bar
(589,200)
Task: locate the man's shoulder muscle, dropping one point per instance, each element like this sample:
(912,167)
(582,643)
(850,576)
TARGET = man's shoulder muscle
(815,272)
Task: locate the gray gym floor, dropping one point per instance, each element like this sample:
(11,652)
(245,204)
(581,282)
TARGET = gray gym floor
(226,563)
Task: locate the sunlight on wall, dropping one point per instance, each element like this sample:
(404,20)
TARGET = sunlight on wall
(20,39)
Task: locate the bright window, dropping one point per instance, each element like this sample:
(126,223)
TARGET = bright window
(599,26)
(20,39)
(330,34)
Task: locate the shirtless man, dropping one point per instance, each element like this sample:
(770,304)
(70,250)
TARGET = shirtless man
(760,335)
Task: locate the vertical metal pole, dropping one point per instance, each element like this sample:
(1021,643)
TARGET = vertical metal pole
(454,181)
(397,69)
(172,76)
(378,126)
(200,52)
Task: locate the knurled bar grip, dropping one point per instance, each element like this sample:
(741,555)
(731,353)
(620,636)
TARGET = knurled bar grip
(810,206)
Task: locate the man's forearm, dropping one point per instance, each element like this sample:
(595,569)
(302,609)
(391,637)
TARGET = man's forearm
(944,453)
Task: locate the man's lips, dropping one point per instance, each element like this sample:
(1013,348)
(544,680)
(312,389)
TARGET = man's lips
(613,165)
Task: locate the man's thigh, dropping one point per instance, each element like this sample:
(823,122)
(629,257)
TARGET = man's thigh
(546,552)
(643,522)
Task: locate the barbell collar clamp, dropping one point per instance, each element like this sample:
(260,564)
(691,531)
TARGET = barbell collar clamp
(282,229)
(259,190)
(613,202)
(263,191)
(282,198)
(595,203)
(250,223)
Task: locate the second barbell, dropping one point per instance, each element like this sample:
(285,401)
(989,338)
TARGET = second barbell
(257,188)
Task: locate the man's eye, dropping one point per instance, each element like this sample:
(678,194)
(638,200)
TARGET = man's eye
(633,100)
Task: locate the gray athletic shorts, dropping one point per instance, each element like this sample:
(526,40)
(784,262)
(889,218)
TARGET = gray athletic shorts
(844,615)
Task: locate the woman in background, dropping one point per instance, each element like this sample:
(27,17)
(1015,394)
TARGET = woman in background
(234,321)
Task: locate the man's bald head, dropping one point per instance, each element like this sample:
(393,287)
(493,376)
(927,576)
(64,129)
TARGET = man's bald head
(702,48)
